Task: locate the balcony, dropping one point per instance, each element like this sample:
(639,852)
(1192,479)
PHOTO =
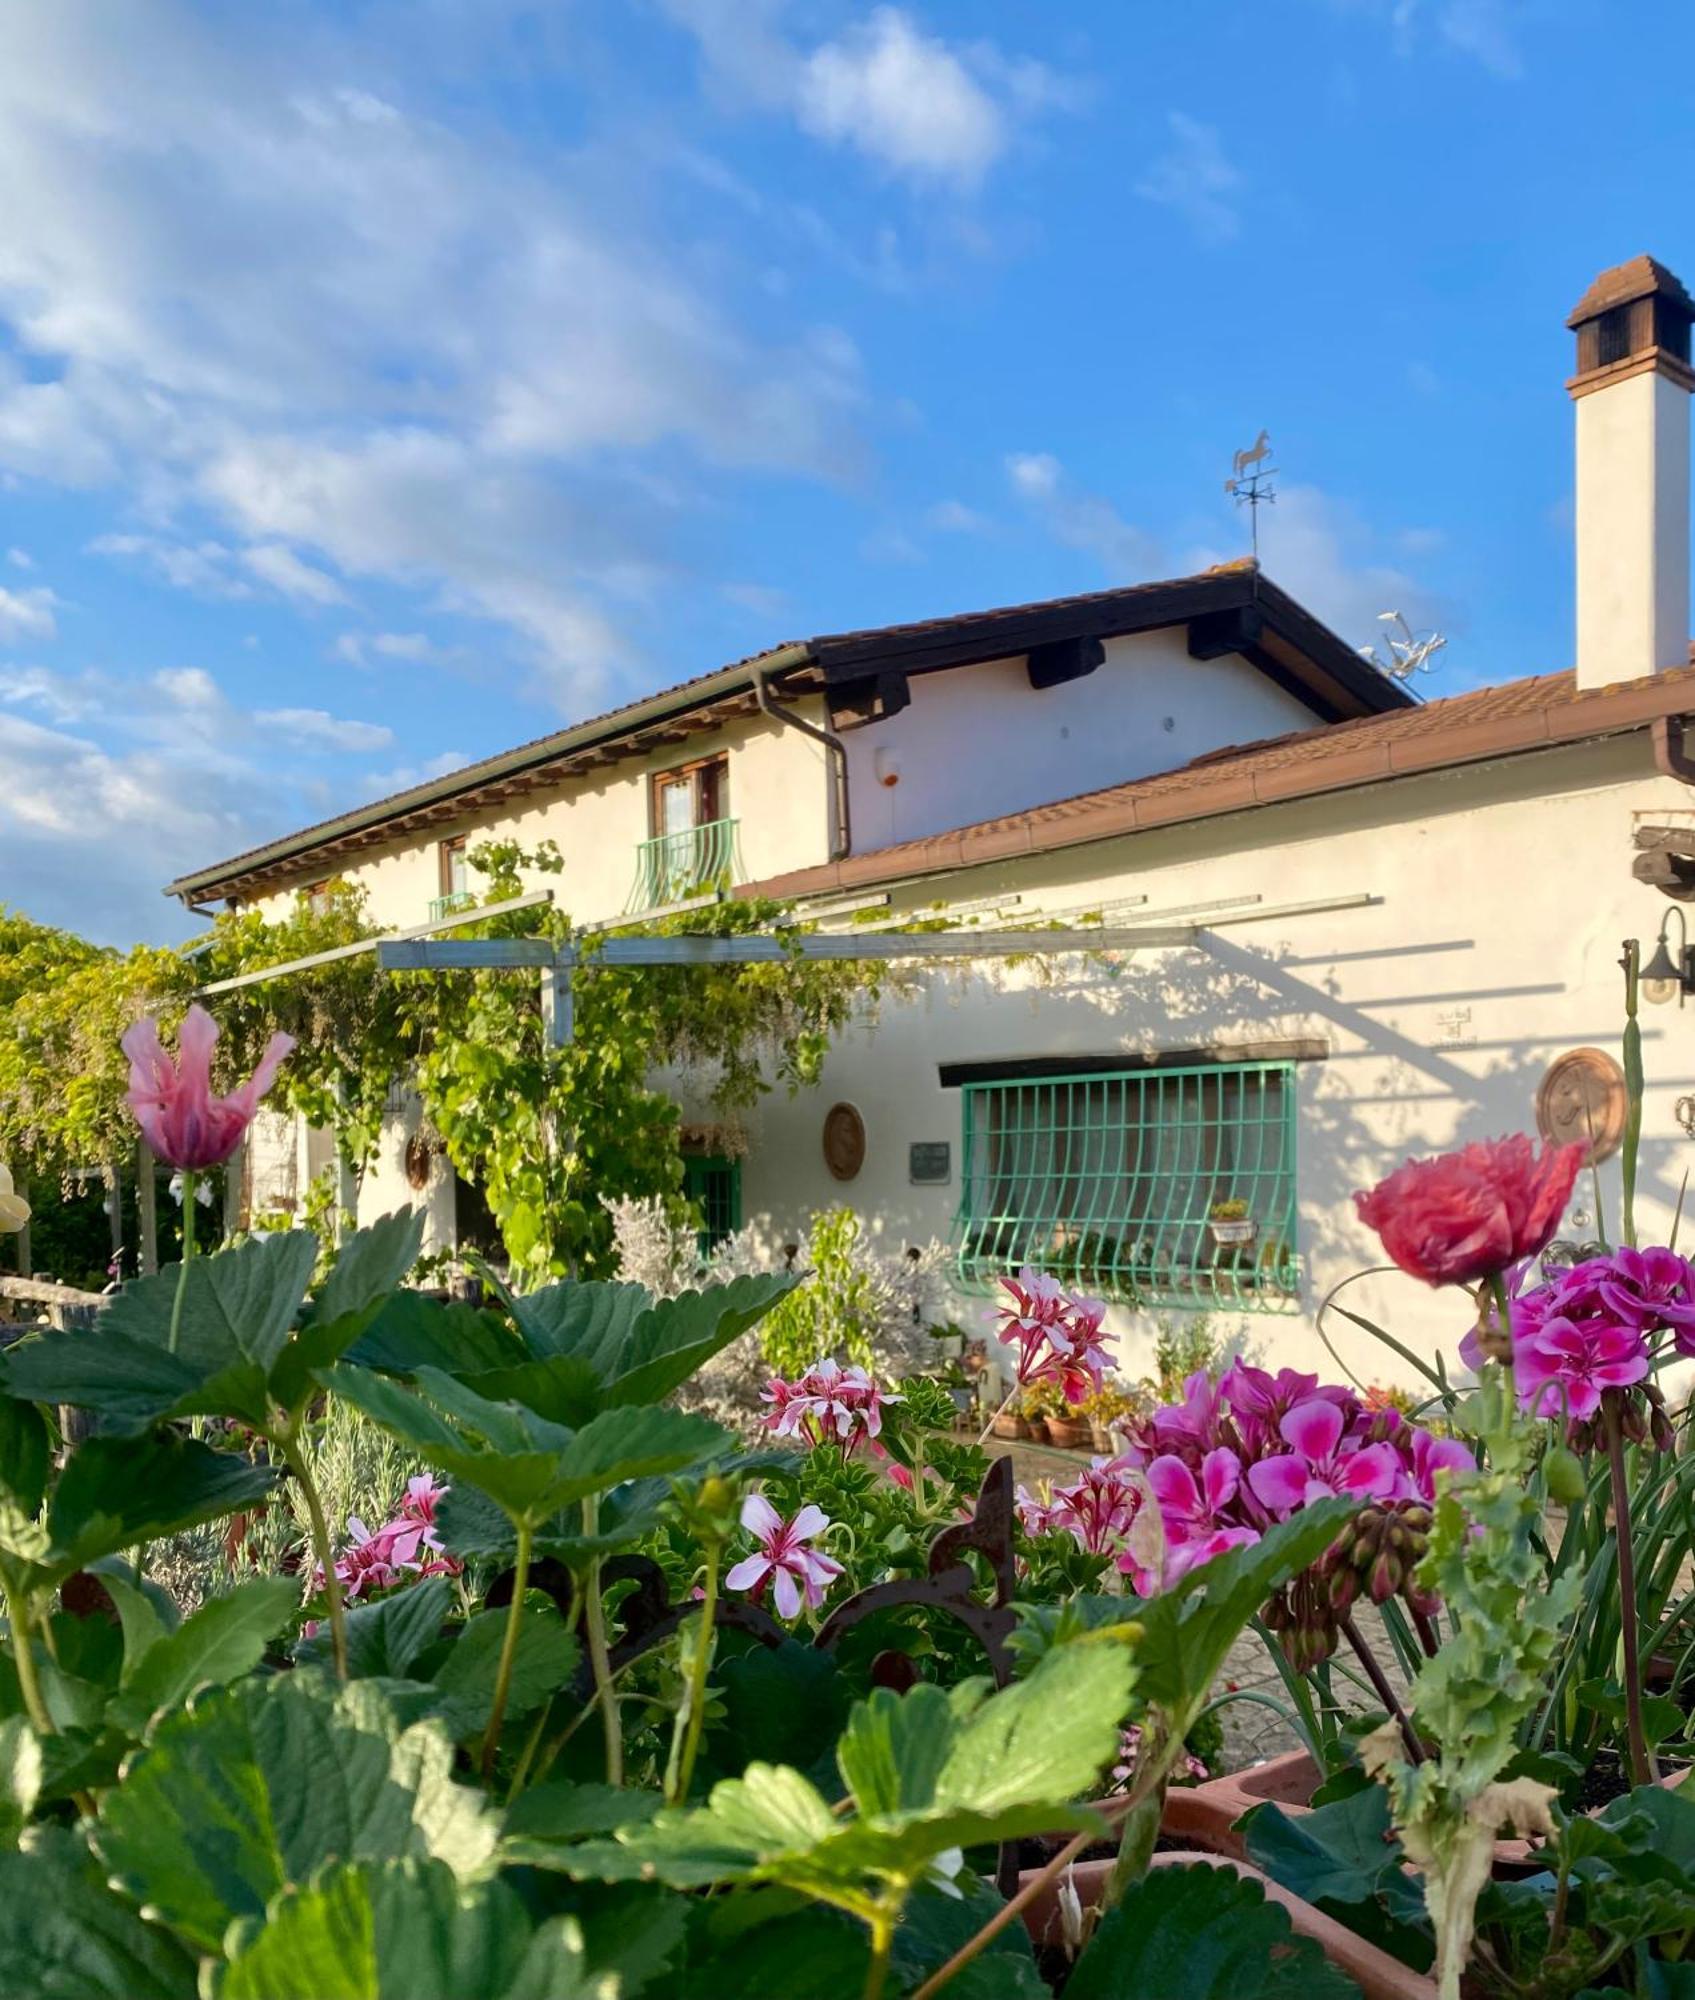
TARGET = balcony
(444,906)
(698,861)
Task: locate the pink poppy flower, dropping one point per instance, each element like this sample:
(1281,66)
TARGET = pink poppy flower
(185,1125)
(797,1572)
(1467,1215)
(1322,1463)
(1562,1368)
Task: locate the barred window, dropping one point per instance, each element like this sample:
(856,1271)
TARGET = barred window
(1170,1187)
(714,1185)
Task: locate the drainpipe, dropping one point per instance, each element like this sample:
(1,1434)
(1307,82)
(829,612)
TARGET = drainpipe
(841,822)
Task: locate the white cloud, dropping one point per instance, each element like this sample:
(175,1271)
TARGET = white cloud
(953,517)
(1487,31)
(357,648)
(233,278)
(27,614)
(20,558)
(935,112)
(1084,520)
(189,688)
(404,776)
(276,564)
(902,98)
(317,729)
(1193,177)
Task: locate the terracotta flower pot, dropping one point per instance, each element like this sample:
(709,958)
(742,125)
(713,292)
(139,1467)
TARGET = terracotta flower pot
(1378,1976)
(1206,1814)
(1069,1433)
(1006,1425)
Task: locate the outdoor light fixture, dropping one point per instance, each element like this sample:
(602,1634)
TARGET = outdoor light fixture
(1665,977)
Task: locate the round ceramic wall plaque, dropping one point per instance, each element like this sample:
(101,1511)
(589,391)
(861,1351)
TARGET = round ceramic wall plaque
(844,1141)
(1583,1096)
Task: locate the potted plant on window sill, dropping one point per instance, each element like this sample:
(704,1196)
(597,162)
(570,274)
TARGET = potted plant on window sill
(1230,1224)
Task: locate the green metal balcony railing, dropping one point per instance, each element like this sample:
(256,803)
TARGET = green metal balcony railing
(444,906)
(1111,1184)
(698,861)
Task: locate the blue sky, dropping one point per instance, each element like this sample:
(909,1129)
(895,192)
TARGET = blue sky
(383,384)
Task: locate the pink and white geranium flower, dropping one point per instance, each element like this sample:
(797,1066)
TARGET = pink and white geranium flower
(797,1573)
(1096,1509)
(828,1403)
(1059,1338)
(1321,1464)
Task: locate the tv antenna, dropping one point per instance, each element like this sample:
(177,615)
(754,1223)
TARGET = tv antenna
(1410,652)
(1250,481)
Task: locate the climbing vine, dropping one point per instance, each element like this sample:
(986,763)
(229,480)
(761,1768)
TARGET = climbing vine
(544,1133)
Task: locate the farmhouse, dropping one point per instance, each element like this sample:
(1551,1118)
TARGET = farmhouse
(1405,918)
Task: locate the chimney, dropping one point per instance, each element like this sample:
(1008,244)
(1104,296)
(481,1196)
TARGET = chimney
(1632,393)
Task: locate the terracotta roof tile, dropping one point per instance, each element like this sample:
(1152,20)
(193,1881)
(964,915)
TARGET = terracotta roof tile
(1542,710)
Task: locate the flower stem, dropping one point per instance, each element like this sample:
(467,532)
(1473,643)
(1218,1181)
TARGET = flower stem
(1014,1907)
(23,1651)
(289,1445)
(187,1257)
(1641,1763)
(508,1648)
(594,1614)
(693,1714)
(1384,1689)
(882,1942)
(983,1434)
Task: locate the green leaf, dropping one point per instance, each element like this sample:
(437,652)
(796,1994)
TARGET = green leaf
(20,1777)
(1202,1933)
(223,1640)
(574,1812)
(954,1771)
(25,1454)
(1188,1630)
(248,1792)
(145,1610)
(407,1930)
(528,1466)
(412,1330)
(238,1307)
(1341,1858)
(545,1662)
(386,1635)
(65,1936)
(368,1268)
(115,1492)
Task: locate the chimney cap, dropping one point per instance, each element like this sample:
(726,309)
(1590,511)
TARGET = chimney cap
(1638,278)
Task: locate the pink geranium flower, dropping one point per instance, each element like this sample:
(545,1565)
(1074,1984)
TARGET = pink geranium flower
(184,1124)
(1321,1463)
(1059,1338)
(785,1559)
(1562,1368)
(1194,1515)
(1467,1215)
(1096,1509)
(1423,1456)
(828,1402)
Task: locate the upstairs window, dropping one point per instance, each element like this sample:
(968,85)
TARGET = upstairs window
(693,795)
(453,878)
(1164,1187)
(692,849)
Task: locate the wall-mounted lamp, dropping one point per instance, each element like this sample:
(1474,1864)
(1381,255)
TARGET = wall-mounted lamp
(1666,977)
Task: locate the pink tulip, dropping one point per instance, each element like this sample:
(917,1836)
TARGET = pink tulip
(185,1125)
(784,1558)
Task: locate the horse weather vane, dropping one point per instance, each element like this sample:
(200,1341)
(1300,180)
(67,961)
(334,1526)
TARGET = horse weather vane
(1250,481)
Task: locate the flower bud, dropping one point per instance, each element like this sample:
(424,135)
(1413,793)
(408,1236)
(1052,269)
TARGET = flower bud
(1562,1471)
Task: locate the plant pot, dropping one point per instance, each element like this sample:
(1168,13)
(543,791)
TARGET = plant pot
(1206,1814)
(1069,1433)
(1378,1976)
(1243,1231)
(1100,1438)
(1006,1425)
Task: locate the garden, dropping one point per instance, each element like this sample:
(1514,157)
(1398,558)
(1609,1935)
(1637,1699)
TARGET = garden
(689,1632)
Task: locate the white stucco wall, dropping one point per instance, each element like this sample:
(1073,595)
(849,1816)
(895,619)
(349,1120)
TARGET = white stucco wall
(979,741)
(777,793)
(1501,897)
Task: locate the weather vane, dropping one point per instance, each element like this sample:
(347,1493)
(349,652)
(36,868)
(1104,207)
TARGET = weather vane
(1250,481)
(1409,654)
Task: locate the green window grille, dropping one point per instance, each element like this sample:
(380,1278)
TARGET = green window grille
(695,861)
(1111,1183)
(444,906)
(714,1185)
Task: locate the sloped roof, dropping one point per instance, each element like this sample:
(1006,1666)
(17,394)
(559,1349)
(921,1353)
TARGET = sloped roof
(1530,714)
